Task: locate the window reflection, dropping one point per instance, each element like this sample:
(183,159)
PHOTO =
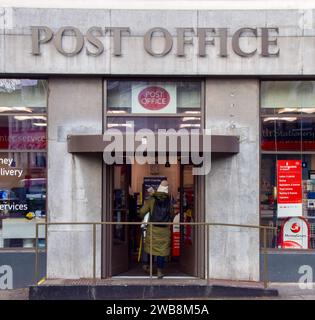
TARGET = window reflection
(23,122)
(121,95)
(23,132)
(288,97)
(22,195)
(288,125)
(281,134)
(23,96)
(308,134)
(288,134)
(153,123)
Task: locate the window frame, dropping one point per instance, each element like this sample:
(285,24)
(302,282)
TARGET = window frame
(262,152)
(22,249)
(155,115)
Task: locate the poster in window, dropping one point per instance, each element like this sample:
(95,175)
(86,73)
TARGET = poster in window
(155,98)
(295,234)
(289,187)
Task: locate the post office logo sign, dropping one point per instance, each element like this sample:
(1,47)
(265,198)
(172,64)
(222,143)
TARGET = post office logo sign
(154,98)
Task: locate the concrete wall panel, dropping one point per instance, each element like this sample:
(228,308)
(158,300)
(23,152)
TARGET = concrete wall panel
(295,40)
(20,19)
(232,186)
(140,21)
(74,181)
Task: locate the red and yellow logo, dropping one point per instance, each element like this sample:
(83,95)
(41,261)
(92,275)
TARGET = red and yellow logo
(295,228)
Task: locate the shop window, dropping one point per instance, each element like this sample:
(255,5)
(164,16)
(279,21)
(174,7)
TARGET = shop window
(23,96)
(287,97)
(23,132)
(288,163)
(153,97)
(154,123)
(281,134)
(23,123)
(308,134)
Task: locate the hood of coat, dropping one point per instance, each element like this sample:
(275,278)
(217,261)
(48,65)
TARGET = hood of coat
(161,195)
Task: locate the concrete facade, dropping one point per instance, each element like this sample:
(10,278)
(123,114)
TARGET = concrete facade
(74,182)
(234,253)
(296,40)
(232,108)
(75,105)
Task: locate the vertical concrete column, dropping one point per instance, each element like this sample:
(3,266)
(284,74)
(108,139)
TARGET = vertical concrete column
(74,180)
(232,186)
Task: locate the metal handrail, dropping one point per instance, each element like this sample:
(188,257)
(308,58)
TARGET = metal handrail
(207,226)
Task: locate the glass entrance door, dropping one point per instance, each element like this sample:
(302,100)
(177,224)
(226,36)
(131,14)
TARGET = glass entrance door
(119,209)
(188,232)
(123,254)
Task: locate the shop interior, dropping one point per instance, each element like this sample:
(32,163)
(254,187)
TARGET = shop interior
(287,133)
(130,190)
(22,198)
(269,194)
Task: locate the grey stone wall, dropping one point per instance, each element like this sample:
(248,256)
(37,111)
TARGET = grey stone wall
(296,41)
(232,186)
(74,181)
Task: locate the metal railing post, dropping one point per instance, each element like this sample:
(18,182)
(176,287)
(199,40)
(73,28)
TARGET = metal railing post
(208,252)
(36,253)
(94,251)
(265,259)
(151,258)
(46,245)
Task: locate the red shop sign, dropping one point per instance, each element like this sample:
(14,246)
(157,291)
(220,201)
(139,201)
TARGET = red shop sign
(154,98)
(289,186)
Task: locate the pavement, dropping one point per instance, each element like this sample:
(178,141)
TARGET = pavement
(17,294)
(293,291)
(287,291)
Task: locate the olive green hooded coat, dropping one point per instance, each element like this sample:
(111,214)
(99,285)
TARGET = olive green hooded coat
(161,236)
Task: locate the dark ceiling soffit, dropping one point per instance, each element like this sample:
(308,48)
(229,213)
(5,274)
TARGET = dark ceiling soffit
(95,143)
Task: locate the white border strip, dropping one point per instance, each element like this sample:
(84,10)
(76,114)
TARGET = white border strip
(164,4)
(155,277)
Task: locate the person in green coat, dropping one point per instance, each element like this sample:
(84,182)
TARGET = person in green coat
(161,234)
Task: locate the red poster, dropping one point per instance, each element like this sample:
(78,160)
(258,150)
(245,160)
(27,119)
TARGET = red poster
(289,186)
(176,237)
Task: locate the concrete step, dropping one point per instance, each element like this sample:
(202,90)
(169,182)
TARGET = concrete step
(87,289)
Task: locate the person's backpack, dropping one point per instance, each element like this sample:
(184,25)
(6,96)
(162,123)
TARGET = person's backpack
(161,210)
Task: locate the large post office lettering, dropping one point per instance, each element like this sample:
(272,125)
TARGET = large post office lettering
(205,38)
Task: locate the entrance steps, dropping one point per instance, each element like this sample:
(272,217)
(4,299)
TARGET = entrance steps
(141,288)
